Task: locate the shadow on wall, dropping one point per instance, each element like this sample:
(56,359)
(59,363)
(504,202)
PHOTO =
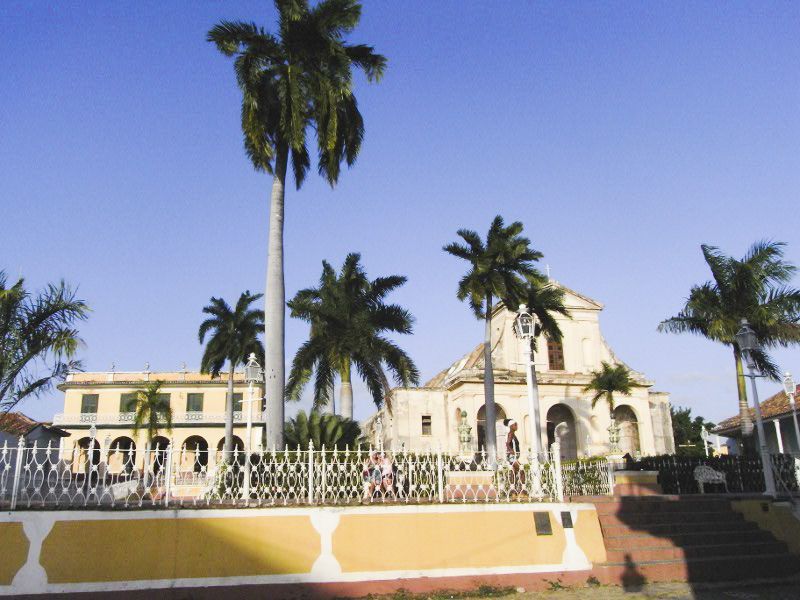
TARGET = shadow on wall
(697,539)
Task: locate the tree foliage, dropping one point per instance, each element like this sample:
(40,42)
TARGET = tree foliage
(38,338)
(349,319)
(297,79)
(153,411)
(233,333)
(687,432)
(753,288)
(500,267)
(331,431)
(610,379)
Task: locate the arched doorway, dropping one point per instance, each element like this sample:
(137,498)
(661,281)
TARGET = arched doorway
(157,454)
(500,414)
(122,455)
(628,425)
(83,459)
(237,452)
(194,455)
(556,415)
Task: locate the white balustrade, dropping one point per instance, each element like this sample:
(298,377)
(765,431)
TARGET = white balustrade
(67,419)
(36,477)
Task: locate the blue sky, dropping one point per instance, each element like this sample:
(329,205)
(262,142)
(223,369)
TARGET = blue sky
(623,135)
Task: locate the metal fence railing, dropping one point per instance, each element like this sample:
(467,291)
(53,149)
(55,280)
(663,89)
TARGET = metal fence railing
(123,477)
(743,474)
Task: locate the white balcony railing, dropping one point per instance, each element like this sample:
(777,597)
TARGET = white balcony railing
(127,418)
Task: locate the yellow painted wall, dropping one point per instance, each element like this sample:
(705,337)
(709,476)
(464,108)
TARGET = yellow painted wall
(14,546)
(590,536)
(388,542)
(179,548)
(778,520)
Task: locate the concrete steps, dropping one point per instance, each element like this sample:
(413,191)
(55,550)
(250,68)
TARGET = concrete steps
(694,539)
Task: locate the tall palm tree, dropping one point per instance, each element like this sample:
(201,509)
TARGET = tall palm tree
(296,80)
(609,380)
(152,411)
(348,316)
(753,288)
(234,335)
(499,269)
(38,339)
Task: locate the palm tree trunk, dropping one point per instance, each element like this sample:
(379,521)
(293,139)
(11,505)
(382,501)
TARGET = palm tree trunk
(744,410)
(488,387)
(229,415)
(275,306)
(346,393)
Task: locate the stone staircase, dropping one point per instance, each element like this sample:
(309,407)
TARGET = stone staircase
(680,538)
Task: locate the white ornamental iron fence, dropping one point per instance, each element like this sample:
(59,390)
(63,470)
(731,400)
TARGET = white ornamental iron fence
(122,477)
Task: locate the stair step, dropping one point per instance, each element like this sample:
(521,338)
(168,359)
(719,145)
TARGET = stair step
(661,506)
(637,518)
(670,529)
(668,553)
(727,568)
(645,540)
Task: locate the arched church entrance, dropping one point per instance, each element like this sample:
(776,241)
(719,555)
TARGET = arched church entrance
(628,425)
(500,414)
(567,435)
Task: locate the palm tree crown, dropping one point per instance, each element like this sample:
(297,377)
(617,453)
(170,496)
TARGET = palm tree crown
(233,336)
(348,317)
(544,300)
(753,288)
(300,78)
(607,381)
(38,339)
(499,267)
(152,411)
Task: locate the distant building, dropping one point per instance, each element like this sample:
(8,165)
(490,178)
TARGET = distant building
(429,417)
(15,425)
(107,401)
(778,427)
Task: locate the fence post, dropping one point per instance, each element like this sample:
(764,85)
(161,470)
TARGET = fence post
(310,471)
(610,466)
(558,475)
(440,474)
(168,475)
(17,472)
(536,476)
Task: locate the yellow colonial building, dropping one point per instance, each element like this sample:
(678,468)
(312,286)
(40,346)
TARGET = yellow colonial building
(106,401)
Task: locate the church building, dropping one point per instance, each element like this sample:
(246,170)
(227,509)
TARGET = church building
(447,413)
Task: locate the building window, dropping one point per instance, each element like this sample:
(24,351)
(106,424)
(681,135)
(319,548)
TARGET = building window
(237,402)
(555,355)
(89,403)
(127,402)
(426,425)
(194,402)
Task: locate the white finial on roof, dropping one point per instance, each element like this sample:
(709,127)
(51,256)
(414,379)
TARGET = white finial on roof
(113,367)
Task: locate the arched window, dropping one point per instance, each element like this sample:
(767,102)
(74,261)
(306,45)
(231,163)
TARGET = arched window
(555,355)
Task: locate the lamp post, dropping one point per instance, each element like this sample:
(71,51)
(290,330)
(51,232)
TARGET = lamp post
(252,375)
(790,389)
(747,341)
(525,330)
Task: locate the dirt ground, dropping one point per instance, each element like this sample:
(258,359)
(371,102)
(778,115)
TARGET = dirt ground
(664,591)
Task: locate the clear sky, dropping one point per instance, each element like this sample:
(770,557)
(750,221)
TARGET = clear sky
(623,135)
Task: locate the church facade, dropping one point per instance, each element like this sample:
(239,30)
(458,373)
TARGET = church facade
(447,413)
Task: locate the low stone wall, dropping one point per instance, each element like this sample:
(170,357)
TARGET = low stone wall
(71,551)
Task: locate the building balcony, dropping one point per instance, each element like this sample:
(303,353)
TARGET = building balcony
(117,419)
